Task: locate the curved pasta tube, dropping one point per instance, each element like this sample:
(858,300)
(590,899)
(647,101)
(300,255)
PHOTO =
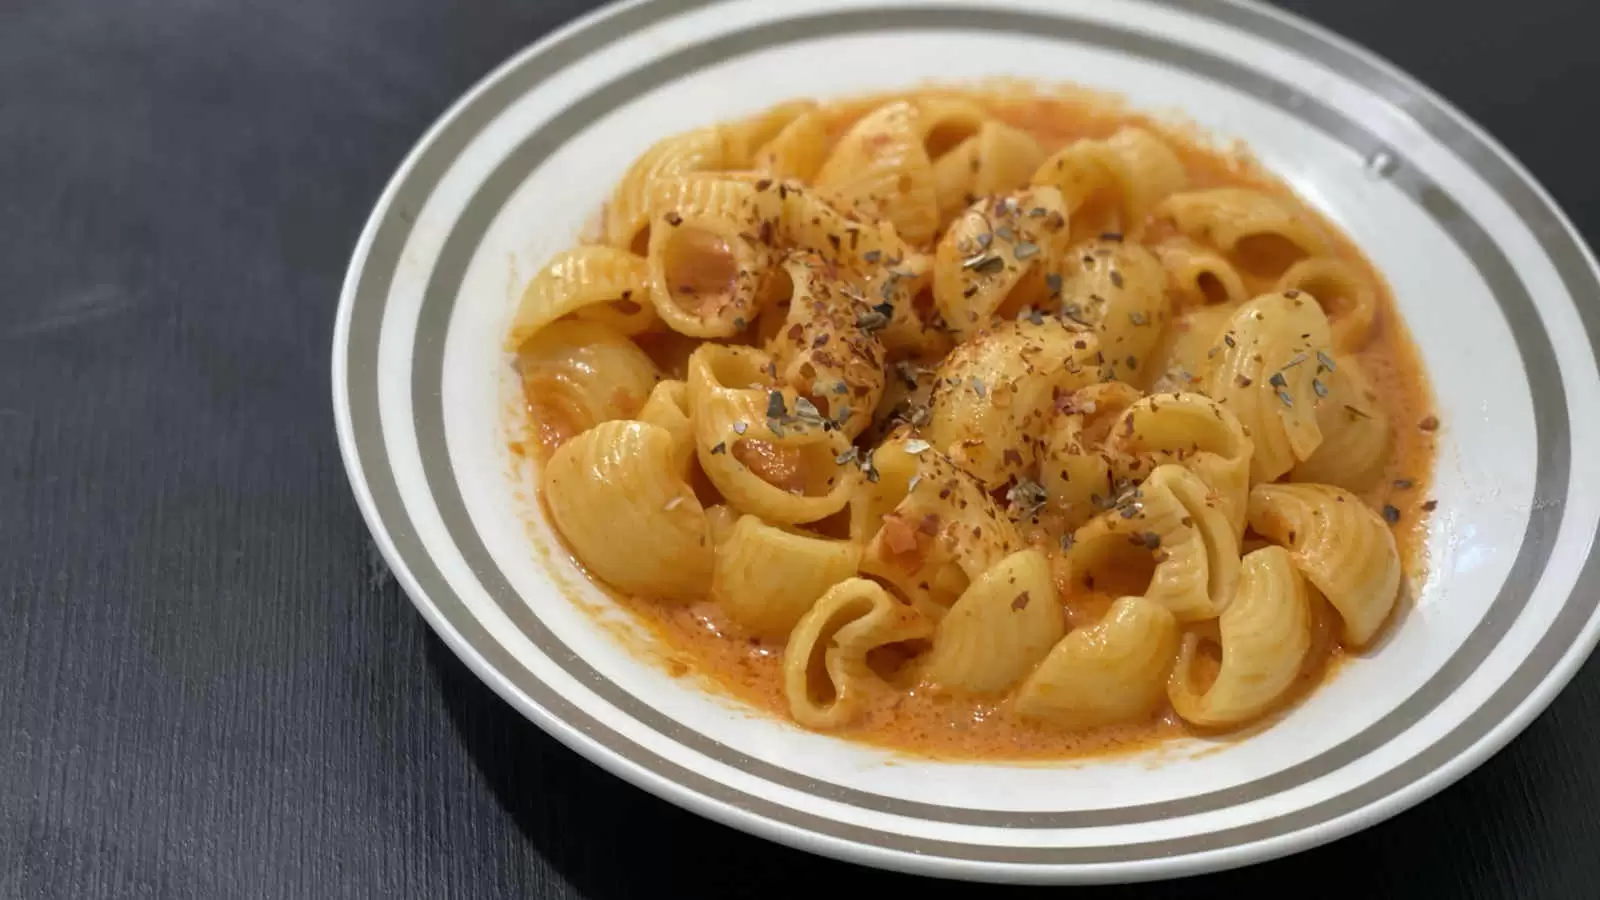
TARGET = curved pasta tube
(1193,431)
(597,281)
(823,352)
(929,528)
(766,578)
(797,151)
(1119,289)
(1261,232)
(616,497)
(1341,545)
(999,629)
(576,375)
(1199,275)
(947,121)
(995,391)
(825,669)
(880,170)
(627,215)
(757,443)
(744,138)
(1355,431)
(1265,370)
(1108,673)
(997,159)
(707,257)
(1185,344)
(668,408)
(1265,634)
(998,257)
(1171,514)
(1112,185)
(1344,294)
(811,223)
(1074,470)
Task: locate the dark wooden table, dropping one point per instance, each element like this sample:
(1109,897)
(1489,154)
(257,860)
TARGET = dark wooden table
(209,686)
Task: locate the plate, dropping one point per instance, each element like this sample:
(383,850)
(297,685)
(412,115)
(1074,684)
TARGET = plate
(1499,291)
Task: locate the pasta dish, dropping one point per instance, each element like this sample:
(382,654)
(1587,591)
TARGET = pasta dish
(986,423)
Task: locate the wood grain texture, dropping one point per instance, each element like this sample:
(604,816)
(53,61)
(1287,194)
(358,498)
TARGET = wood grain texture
(209,685)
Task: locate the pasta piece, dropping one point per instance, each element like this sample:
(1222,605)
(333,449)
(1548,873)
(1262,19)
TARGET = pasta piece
(1265,634)
(1341,546)
(824,352)
(1265,371)
(767,578)
(1182,355)
(1119,289)
(1262,233)
(1111,186)
(947,121)
(744,138)
(616,496)
(880,170)
(765,448)
(668,408)
(1170,515)
(1193,431)
(1344,295)
(812,223)
(1000,257)
(825,669)
(1000,628)
(1198,275)
(597,281)
(576,375)
(1109,673)
(995,160)
(708,252)
(1355,430)
(995,391)
(797,151)
(627,216)
(929,528)
(721,518)
(1074,470)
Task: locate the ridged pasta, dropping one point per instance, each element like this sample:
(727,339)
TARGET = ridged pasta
(1075,470)
(1355,431)
(1266,370)
(1199,275)
(797,151)
(1344,294)
(1341,546)
(930,528)
(617,498)
(880,170)
(1173,517)
(758,444)
(995,391)
(668,408)
(1119,289)
(707,256)
(825,671)
(995,160)
(591,280)
(999,257)
(744,138)
(1001,626)
(627,215)
(576,375)
(1265,634)
(823,351)
(1193,431)
(766,578)
(1260,233)
(1108,673)
(1112,185)
(1182,357)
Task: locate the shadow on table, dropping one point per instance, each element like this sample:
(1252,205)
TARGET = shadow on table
(610,840)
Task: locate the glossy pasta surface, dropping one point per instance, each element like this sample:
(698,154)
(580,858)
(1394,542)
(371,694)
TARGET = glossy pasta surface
(989,423)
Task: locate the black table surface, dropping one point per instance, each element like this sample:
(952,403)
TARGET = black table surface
(209,685)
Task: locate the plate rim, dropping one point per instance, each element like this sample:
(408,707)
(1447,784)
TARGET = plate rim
(1549,683)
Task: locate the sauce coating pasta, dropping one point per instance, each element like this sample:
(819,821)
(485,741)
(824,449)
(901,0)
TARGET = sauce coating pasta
(981,423)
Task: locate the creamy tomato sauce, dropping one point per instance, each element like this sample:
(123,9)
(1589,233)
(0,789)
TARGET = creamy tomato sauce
(900,714)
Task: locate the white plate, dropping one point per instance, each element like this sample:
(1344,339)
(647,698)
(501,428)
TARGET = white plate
(1498,289)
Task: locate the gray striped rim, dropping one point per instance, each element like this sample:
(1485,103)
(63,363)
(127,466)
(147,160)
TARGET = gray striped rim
(372,285)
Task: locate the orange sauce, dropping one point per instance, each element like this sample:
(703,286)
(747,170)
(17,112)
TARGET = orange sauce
(903,715)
